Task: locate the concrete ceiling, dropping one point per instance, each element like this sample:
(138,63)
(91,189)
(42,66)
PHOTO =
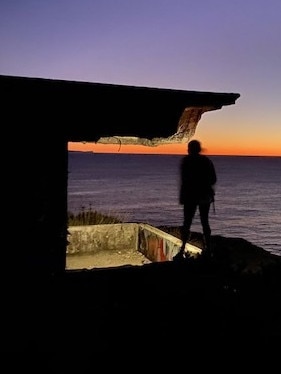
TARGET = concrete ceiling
(108,113)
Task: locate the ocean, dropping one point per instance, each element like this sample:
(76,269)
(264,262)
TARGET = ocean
(144,188)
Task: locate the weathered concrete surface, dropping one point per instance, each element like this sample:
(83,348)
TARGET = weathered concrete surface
(107,237)
(121,244)
(158,245)
(106,259)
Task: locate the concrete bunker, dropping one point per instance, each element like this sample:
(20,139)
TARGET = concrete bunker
(42,115)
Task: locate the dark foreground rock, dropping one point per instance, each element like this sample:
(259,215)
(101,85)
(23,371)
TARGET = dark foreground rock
(231,300)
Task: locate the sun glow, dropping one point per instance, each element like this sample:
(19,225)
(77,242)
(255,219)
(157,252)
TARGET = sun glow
(213,148)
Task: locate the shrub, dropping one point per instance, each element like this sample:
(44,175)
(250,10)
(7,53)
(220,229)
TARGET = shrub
(91,217)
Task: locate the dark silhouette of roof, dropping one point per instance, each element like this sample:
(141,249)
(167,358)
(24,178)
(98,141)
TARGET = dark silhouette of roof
(90,111)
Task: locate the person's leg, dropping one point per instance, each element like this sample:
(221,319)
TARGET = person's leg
(189,210)
(204,210)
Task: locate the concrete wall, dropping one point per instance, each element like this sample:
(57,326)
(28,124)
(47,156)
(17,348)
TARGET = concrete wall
(95,238)
(158,245)
(154,244)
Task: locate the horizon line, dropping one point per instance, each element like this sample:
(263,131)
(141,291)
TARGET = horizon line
(172,154)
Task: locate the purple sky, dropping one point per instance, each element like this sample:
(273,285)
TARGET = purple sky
(204,45)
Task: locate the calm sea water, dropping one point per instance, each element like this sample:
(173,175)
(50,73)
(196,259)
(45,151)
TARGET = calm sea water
(144,188)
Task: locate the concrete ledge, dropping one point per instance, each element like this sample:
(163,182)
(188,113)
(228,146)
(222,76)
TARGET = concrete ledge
(158,245)
(95,238)
(155,244)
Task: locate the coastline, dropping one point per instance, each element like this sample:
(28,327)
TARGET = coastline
(237,253)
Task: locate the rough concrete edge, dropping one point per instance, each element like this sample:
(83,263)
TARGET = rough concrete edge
(192,249)
(106,227)
(188,247)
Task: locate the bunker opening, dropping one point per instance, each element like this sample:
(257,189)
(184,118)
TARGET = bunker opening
(120,244)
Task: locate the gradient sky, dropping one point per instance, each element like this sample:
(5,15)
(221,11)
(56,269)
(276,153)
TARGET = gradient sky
(202,45)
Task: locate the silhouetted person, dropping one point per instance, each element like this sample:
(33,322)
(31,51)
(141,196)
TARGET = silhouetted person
(198,177)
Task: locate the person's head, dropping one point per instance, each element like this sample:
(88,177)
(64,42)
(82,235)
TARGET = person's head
(194,147)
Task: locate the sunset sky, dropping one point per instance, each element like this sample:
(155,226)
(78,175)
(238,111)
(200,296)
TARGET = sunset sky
(202,45)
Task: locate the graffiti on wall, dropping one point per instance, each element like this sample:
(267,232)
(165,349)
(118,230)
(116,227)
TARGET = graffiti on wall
(155,247)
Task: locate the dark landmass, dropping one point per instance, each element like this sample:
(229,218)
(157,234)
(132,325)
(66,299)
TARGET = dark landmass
(236,253)
(196,306)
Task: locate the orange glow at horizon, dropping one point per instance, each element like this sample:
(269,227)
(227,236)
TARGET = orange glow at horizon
(175,149)
(127,148)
